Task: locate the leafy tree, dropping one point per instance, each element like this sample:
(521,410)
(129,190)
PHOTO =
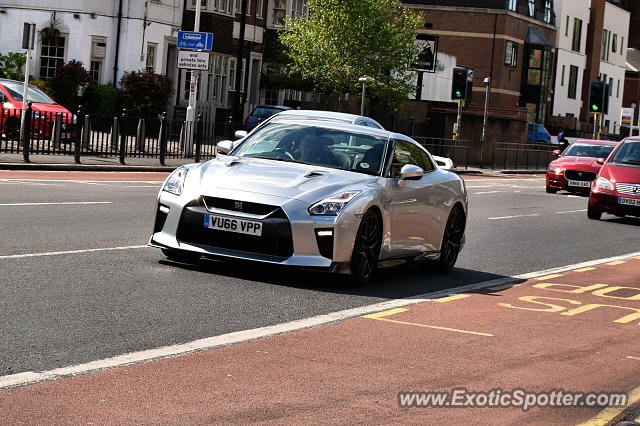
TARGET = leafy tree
(145,94)
(67,81)
(43,85)
(343,40)
(11,65)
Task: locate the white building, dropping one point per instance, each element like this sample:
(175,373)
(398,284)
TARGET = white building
(108,36)
(572,21)
(613,60)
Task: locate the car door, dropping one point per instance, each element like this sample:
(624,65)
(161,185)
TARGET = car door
(413,201)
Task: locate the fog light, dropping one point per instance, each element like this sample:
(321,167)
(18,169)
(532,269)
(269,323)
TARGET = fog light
(164,209)
(325,233)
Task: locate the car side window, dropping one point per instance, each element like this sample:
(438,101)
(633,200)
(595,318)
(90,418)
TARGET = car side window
(409,153)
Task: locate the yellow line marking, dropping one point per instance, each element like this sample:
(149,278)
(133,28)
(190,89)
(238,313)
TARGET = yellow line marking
(633,357)
(548,277)
(585,269)
(617,262)
(454,297)
(502,287)
(610,413)
(436,327)
(379,315)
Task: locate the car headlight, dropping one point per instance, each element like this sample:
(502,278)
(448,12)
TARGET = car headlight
(38,115)
(604,183)
(333,205)
(175,181)
(556,170)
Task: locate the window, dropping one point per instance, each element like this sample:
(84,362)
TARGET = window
(513,5)
(614,43)
(547,11)
(299,8)
(409,153)
(98,51)
(604,50)
(562,76)
(577,35)
(610,85)
(532,8)
(621,44)
(573,81)
(95,70)
(511,54)
(566,27)
(258,8)
(203,4)
(232,74)
(151,57)
(618,91)
(51,55)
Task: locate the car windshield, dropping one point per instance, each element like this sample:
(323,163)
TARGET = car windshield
(588,150)
(264,112)
(34,95)
(337,149)
(628,153)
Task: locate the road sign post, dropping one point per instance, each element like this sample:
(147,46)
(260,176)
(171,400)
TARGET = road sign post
(28,39)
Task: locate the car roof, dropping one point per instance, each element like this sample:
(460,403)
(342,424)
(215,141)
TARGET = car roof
(596,142)
(334,124)
(282,107)
(326,115)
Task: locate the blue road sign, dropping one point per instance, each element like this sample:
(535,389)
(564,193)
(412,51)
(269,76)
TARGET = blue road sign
(195,40)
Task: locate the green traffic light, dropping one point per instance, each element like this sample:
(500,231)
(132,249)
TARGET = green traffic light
(458,94)
(594,107)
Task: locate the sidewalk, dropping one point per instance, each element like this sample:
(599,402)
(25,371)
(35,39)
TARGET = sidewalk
(134,164)
(542,335)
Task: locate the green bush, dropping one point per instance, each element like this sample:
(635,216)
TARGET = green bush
(44,86)
(11,65)
(66,82)
(101,100)
(145,94)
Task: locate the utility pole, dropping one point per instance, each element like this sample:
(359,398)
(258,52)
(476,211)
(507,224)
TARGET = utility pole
(28,38)
(193,91)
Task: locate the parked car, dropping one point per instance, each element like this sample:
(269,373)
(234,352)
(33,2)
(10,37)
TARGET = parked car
(260,113)
(45,111)
(537,133)
(316,194)
(616,190)
(577,166)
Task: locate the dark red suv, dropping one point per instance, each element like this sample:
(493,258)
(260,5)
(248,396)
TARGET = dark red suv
(616,190)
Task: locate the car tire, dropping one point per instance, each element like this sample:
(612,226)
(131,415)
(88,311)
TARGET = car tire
(593,213)
(366,248)
(451,240)
(181,256)
(551,190)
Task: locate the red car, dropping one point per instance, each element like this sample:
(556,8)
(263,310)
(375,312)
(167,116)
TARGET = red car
(616,190)
(577,166)
(44,109)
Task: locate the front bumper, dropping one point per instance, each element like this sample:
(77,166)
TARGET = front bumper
(607,202)
(559,182)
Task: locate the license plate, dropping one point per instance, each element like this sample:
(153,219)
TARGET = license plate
(232,224)
(629,201)
(580,183)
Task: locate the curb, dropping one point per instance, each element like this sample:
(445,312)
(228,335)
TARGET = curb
(84,167)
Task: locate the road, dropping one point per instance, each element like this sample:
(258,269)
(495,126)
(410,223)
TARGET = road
(80,285)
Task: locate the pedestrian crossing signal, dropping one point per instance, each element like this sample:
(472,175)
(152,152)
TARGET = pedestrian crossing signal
(460,84)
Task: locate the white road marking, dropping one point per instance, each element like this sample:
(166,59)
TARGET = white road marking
(513,217)
(64,203)
(57,253)
(573,211)
(32,377)
(142,186)
(79,181)
(490,192)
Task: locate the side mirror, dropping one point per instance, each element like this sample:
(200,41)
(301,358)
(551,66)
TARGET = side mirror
(600,161)
(240,134)
(556,152)
(224,147)
(411,172)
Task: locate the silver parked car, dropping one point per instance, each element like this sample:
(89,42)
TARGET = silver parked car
(317,194)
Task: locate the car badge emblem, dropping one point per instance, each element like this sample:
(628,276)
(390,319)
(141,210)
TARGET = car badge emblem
(580,174)
(636,189)
(237,205)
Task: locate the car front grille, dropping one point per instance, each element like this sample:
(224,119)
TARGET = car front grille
(240,206)
(276,239)
(579,175)
(628,188)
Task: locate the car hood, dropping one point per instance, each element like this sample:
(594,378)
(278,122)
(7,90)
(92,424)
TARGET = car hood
(302,182)
(47,108)
(582,163)
(625,174)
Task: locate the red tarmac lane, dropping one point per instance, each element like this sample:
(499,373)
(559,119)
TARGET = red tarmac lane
(83,175)
(575,331)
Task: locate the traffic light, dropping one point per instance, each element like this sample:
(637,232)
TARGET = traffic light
(598,97)
(460,84)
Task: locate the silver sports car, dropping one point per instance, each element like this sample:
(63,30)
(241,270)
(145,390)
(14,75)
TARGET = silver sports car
(315,194)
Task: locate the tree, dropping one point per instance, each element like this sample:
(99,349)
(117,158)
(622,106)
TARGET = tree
(11,65)
(343,40)
(66,82)
(145,94)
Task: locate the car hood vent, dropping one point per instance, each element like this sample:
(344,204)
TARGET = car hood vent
(314,173)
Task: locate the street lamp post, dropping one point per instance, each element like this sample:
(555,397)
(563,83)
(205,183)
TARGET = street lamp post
(364,81)
(487,81)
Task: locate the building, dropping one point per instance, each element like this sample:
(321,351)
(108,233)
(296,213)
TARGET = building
(109,37)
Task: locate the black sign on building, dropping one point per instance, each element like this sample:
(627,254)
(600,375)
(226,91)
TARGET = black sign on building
(427,57)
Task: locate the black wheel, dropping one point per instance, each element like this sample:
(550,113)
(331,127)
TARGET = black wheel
(451,240)
(593,213)
(181,256)
(366,250)
(551,190)
(12,129)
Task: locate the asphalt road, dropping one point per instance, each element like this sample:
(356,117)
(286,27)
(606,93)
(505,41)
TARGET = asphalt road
(65,309)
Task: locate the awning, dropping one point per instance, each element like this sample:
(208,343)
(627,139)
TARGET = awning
(534,36)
